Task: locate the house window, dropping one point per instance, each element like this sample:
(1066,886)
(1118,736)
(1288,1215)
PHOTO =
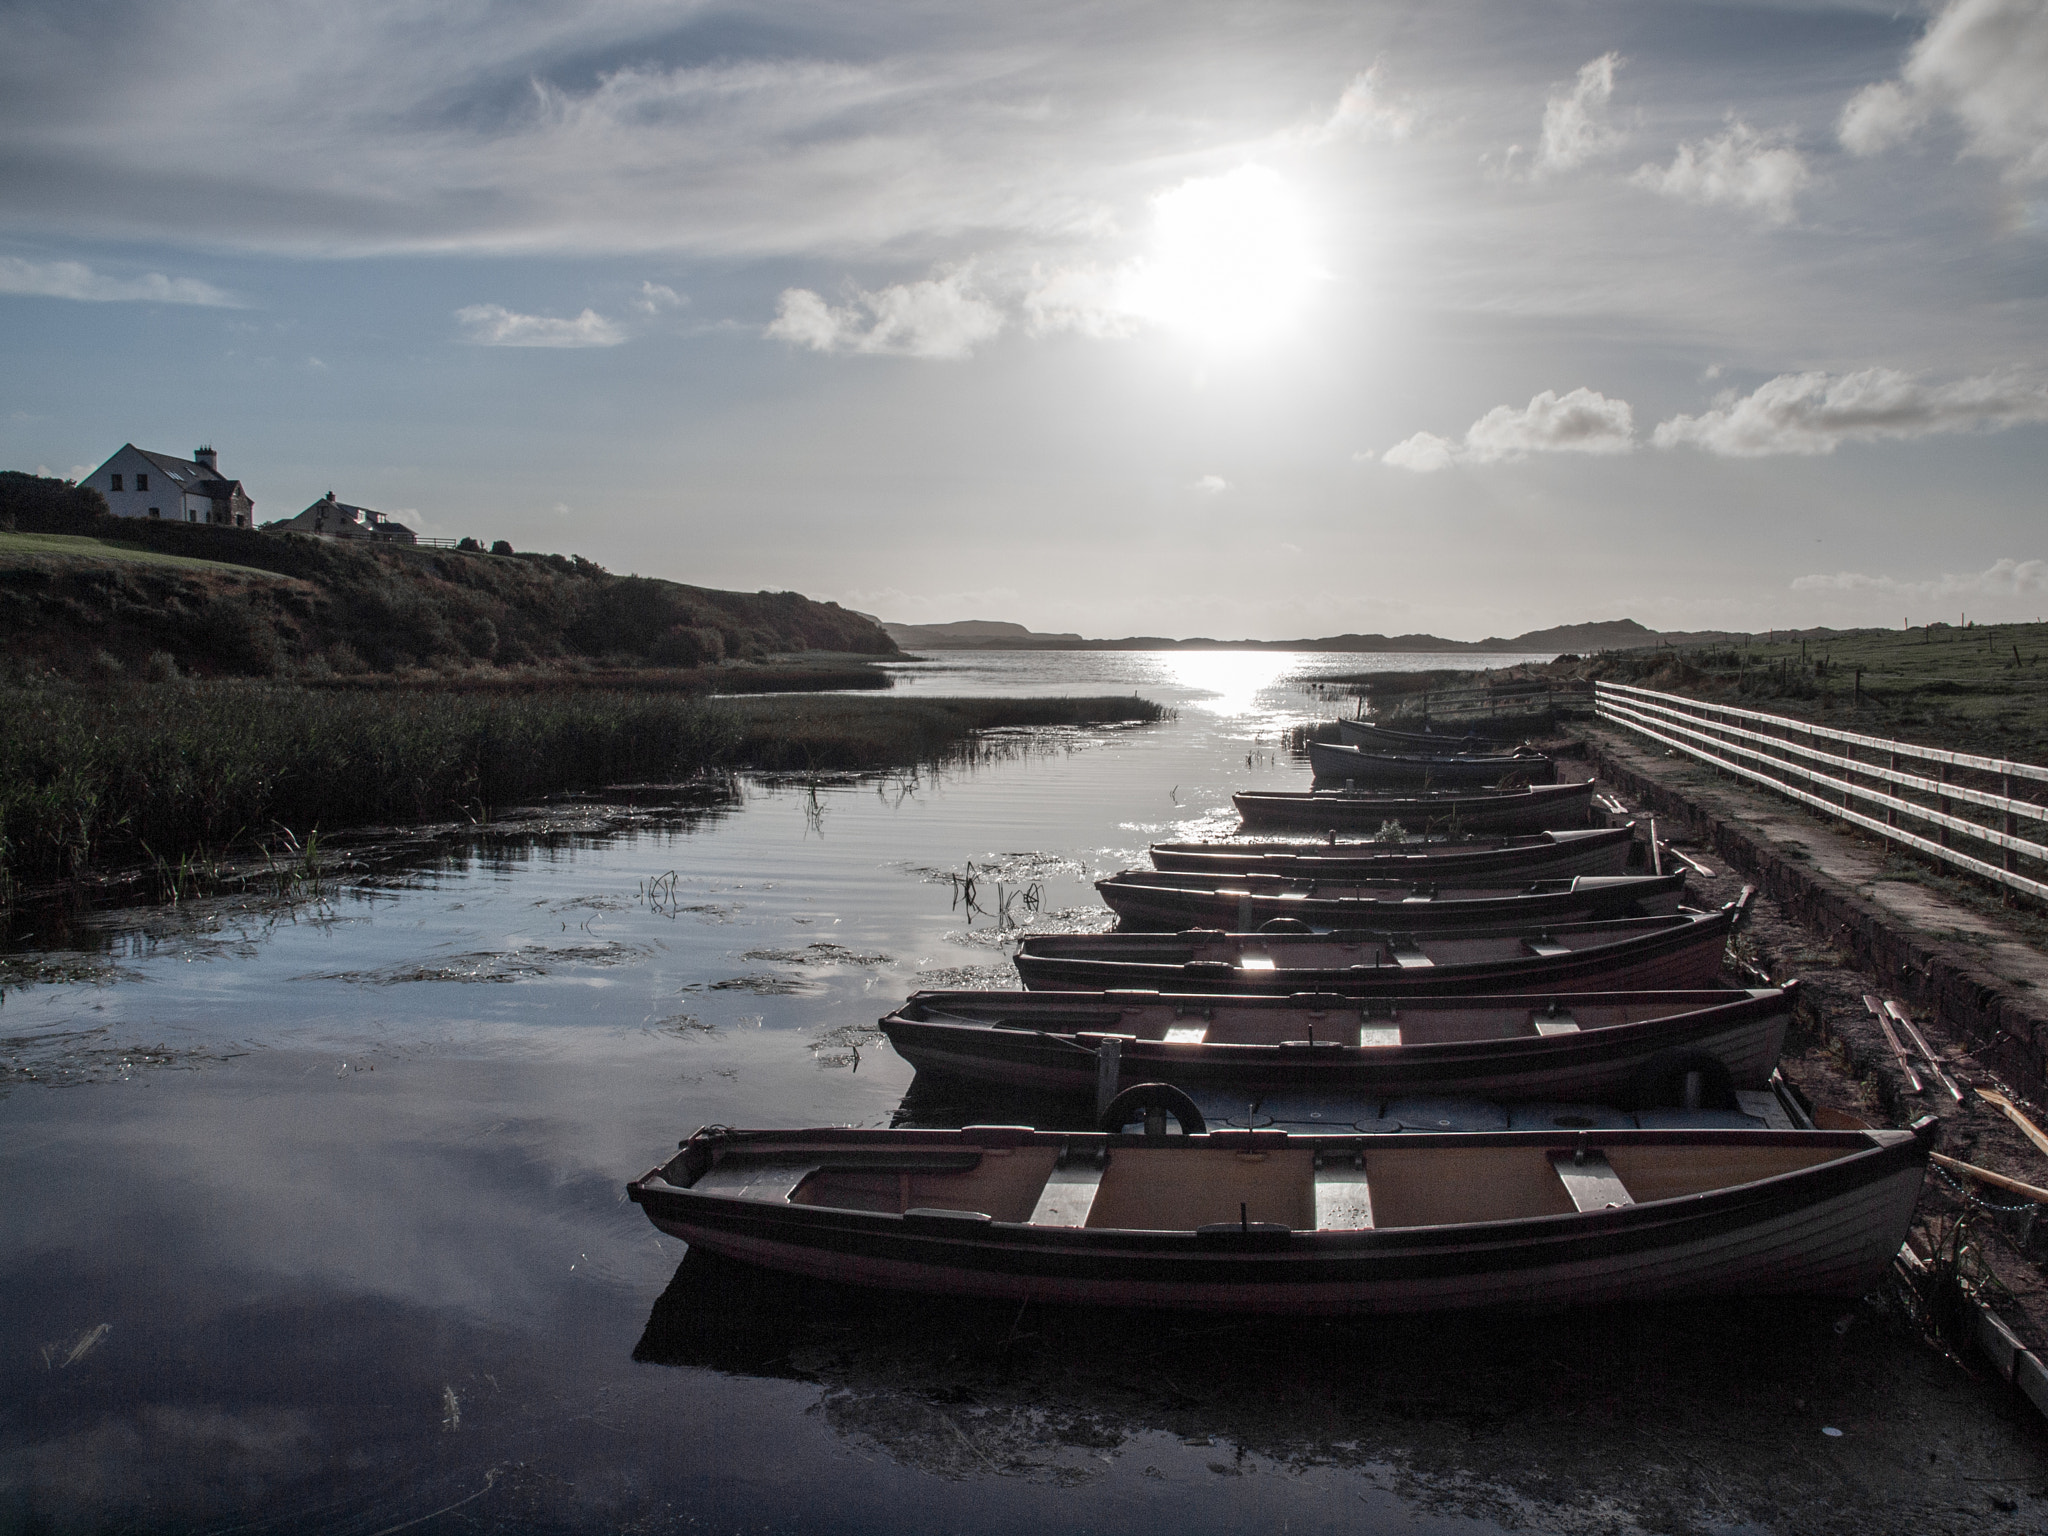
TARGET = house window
(142,482)
(117,483)
(156,512)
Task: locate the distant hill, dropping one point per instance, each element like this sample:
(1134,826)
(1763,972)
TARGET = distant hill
(238,601)
(987,634)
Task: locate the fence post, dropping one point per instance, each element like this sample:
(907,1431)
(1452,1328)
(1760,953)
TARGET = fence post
(2011,822)
(1946,809)
(1891,816)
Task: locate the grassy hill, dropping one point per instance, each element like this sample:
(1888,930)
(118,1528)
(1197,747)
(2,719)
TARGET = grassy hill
(234,602)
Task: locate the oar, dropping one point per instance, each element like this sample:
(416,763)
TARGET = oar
(1892,1039)
(2034,1133)
(1926,1051)
(1998,1180)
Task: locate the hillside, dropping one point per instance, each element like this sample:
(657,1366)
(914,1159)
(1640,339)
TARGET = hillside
(988,634)
(224,601)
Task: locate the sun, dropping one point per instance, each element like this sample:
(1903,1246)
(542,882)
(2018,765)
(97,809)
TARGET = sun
(1232,259)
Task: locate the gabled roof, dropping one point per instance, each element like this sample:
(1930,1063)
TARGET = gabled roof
(183,472)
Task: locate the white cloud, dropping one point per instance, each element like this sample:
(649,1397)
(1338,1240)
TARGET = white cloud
(2002,578)
(1982,62)
(1363,111)
(656,297)
(1740,167)
(1575,127)
(1584,421)
(1812,413)
(493,325)
(935,317)
(75,280)
(1209,485)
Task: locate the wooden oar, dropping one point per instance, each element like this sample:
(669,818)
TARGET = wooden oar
(1998,1180)
(2034,1133)
(1905,1022)
(1892,1039)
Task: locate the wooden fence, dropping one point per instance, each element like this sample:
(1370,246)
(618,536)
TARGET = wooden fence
(1821,768)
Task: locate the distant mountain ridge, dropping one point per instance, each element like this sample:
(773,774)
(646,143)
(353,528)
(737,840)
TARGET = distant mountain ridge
(992,635)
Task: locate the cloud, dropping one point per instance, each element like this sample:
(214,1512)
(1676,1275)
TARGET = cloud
(936,317)
(1740,167)
(1982,62)
(75,280)
(1584,421)
(1363,111)
(1209,485)
(2002,578)
(1575,127)
(656,297)
(1813,413)
(493,325)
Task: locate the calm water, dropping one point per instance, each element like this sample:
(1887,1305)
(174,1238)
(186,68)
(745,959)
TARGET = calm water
(328,1228)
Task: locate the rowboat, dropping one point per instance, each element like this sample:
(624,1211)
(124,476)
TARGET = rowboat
(1628,954)
(1265,1222)
(1148,899)
(1584,851)
(1593,1047)
(1336,763)
(1362,733)
(1539,808)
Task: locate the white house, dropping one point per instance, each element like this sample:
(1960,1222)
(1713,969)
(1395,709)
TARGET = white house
(138,483)
(331,519)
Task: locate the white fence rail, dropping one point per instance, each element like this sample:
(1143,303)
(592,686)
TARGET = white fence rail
(1820,768)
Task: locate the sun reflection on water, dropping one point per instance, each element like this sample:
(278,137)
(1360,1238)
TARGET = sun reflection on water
(1229,683)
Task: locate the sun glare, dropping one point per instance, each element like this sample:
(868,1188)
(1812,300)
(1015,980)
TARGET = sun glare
(1232,260)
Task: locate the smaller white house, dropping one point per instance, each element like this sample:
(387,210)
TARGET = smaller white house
(331,519)
(138,483)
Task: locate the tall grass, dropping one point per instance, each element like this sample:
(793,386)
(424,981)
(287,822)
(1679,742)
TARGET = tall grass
(96,775)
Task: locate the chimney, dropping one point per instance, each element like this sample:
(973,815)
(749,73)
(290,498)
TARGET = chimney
(207,459)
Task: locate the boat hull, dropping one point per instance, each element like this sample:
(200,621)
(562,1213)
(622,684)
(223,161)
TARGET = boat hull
(1051,1042)
(1541,808)
(1829,1229)
(1545,855)
(1662,956)
(1168,903)
(1335,763)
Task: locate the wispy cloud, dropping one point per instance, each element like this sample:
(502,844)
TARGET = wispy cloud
(655,298)
(1983,63)
(1739,167)
(1584,421)
(75,280)
(1575,126)
(1209,485)
(937,317)
(2002,578)
(1814,413)
(1365,110)
(493,325)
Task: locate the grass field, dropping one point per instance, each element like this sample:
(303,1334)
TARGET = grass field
(76,547)
(1981,689)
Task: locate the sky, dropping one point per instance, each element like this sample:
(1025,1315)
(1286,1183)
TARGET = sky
(1261,320)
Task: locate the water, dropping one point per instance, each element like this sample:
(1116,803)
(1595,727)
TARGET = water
(328,1227)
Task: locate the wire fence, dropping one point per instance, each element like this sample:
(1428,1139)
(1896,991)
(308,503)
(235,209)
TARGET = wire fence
(1868,781)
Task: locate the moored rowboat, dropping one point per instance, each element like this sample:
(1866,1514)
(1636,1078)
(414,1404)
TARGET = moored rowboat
(1263,1222)
(1585,851)
(1539,808)
(1363,733)
(1148,899)
(1626,954)
(1336,763)
(1597,1047)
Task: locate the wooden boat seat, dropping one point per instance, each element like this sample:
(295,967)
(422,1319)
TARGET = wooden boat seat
(1069,1193)
(1343,1194)
(1379,1035)
(1186,1034)
(1590,1180)
(1548,949)
(1411,959)
(1002,1182)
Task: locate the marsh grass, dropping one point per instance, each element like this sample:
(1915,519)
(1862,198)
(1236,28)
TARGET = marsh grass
(183,775)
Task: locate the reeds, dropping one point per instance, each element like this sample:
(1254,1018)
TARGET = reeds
(175,775)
